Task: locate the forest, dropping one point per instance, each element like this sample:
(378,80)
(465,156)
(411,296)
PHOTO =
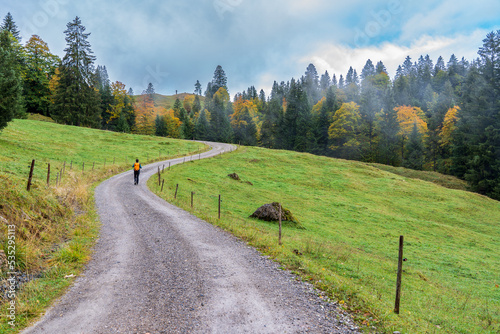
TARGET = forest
(437,115)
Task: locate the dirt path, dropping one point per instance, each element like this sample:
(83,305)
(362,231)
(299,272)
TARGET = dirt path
(158,269)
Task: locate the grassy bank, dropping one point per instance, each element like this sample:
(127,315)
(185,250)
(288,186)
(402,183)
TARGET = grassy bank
(353,215)
(56,226)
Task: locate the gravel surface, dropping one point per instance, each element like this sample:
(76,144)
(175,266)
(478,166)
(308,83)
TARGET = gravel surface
(158,269)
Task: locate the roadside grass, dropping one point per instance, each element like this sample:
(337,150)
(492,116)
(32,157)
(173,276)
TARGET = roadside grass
(353,214)
(57,226)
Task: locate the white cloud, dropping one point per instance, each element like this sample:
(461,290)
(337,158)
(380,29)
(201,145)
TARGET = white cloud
(337,58)
(449,16)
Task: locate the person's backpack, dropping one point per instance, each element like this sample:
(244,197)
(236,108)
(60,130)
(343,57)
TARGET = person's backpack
(137,166)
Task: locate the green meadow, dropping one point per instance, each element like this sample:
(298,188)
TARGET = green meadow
(352,215)
(56,225)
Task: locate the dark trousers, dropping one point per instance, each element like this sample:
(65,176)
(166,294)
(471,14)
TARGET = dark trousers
(136,176)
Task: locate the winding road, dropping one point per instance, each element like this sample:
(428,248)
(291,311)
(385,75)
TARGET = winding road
(158,269)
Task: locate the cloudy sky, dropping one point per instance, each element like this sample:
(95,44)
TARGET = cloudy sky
(174,43)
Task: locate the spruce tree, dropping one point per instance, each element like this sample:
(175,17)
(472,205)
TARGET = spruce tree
(219,80)
(77,100)
(414,150)
(10,81)
(9,25)
(197,87)
(202,127)
(325,81)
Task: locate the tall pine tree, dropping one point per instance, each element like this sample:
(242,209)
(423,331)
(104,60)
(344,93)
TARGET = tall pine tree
(10,80)
(77,100)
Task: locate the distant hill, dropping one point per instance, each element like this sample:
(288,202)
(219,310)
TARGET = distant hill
(167,101)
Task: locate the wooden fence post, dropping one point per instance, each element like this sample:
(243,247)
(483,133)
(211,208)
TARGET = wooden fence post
(279,238)
(159,176)
(83,167)
(64,167)
(176,188)
(28,187)
(192,195)
(219,206)
(400,271)
(162,182)
(48,174)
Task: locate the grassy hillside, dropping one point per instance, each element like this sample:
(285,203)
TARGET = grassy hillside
(56,225)
(353,214)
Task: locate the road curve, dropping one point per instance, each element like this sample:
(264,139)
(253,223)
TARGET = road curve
(158,269)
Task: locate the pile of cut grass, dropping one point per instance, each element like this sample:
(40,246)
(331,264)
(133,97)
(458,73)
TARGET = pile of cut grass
(56,225)
(353,214)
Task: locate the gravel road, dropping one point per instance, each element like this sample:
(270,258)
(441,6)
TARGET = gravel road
(158,269)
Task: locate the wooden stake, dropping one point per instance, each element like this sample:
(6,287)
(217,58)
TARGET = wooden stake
(162,182)
(159,176)
(83,167)
(48,175)
(176,188)
(192,195)
(64,167)
(28,187)
(279,239)
(400,272)
(219,206)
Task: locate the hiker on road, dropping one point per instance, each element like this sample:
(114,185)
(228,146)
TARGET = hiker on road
(137,171)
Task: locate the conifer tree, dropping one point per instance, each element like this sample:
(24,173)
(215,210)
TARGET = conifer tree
(414,150)
(10,81)
(325,81)
(197,87)
(77,100)
(202,127)
(219,81)
(9,25)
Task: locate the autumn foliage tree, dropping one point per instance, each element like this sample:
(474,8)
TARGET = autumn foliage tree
(41,65)
(344,131)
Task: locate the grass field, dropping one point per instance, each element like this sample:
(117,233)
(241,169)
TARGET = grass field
(353,214)
(56,226)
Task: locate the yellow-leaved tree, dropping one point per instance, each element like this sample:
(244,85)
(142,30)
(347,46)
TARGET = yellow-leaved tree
(450,119)
(408,116)
(344,131)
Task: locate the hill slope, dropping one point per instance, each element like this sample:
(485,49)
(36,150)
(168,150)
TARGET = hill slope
(353,214)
